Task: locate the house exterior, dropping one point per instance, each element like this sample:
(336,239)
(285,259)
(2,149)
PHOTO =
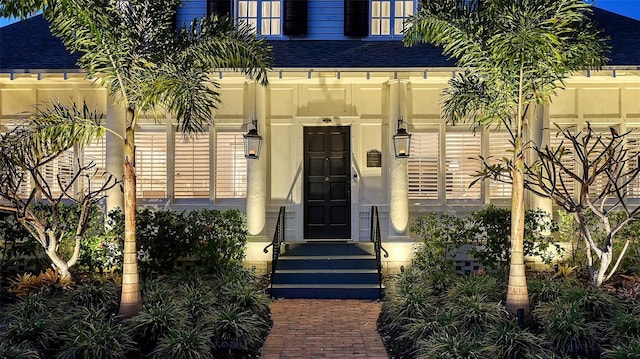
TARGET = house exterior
(341,82)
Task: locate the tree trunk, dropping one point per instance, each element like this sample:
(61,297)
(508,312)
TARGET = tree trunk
(130,300)
(605,260)
(517,293)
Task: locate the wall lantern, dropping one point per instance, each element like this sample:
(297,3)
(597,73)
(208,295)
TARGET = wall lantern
(252,142)
(402,141)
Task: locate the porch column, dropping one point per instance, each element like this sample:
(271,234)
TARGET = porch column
(256,169)
(539,122)
(114,156)
(398,181)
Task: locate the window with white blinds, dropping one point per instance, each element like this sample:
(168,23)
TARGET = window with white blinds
(633,151)
(60,172)
(601,180)
(567,160)
(423,165)
(25,182)
(500,147)
(191,166)
(151,165)
(462,151)
(95,152)
(231,166)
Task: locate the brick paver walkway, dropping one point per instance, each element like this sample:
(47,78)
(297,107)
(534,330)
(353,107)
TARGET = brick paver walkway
(324,328)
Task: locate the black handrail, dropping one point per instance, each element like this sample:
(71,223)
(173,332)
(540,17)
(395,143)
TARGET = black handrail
(377,241)
(278,239)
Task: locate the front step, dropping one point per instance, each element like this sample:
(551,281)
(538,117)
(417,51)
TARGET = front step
(337,270)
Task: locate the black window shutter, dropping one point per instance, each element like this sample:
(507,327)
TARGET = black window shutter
(220,7)
(295,17)
(356,18)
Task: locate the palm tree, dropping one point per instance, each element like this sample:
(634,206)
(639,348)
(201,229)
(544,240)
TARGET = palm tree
(131,48)
(515,55)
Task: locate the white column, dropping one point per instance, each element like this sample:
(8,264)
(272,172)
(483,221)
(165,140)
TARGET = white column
(539,121)
(398,182)
(256,169)
(116,120)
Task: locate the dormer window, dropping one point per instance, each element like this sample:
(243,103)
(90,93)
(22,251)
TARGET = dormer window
(388,17)
(263,15)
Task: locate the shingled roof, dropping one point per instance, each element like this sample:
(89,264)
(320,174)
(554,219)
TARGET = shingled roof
(29,45)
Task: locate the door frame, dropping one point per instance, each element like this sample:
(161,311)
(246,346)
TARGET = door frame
(298,167)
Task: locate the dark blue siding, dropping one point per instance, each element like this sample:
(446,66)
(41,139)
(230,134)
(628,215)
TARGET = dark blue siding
(326,18)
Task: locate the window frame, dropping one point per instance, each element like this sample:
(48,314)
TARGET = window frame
(392,19)
(259,17)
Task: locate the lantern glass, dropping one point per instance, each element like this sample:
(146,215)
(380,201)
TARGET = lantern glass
(402,142)
(252,144)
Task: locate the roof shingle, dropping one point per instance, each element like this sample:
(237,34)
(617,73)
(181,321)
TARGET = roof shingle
(29,45)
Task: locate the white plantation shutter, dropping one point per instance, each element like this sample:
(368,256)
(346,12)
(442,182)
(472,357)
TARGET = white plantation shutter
(60,170)
(462,151)
(191,166)
(633,152)
(96,152)
(151,165)
(567,160)
(423,165)
(231,166)
(602,179)
(499,148)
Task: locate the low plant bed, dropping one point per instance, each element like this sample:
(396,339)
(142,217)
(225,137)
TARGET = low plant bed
(184,315)
(434,314)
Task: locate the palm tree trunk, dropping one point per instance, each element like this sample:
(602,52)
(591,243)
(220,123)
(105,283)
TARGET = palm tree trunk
(130,300)
(517,293)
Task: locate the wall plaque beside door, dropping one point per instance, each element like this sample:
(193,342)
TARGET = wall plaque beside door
(374,158)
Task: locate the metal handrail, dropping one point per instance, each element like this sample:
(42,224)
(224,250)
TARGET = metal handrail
(278,239)
(377,241)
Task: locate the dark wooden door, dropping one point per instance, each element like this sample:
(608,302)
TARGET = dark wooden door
(327,182)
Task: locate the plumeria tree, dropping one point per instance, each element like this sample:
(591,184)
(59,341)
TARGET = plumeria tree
(27,153)
(133,49)
(515,54)
(589,175)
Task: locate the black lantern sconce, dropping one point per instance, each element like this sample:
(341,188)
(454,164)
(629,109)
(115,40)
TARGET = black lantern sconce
(252,142)
(402,141)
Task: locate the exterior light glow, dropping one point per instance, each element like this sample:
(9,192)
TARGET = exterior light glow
(252,142)
(402,141)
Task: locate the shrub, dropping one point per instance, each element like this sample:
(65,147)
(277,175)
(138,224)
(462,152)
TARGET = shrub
(8,350)
(236,329)
(475,313)
(468,286)
(185,343)
(543,289)
(47,281)
(19,247)
(568,329)
(629,350)
(451,345)
(219,237)
(96,294)
(592,302)
(93,335)
(29,323)
(508,341)
(490,228)
(442,235)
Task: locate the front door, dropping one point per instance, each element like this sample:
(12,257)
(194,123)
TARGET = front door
(327,182)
